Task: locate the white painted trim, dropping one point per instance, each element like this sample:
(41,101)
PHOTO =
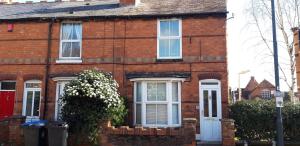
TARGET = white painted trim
(72,59)
(169,102)
(25,99)
(198,137)
(157,79)
(61,82)
(64,78)
(69,61)
(209,87)
(177,37)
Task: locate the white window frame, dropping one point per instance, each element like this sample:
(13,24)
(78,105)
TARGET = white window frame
(60,80)
(169,37)
(69,59)
(25,98)
(264,92)
(169,101)
(7,81)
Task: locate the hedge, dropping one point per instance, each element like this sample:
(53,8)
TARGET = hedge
(256,120)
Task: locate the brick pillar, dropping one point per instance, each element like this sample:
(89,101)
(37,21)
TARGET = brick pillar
(228,131)
(189,129)
(15,133)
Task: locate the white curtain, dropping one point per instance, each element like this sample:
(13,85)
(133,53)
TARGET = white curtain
(71,32)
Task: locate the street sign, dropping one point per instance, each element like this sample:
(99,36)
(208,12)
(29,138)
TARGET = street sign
(279,101)
(278,94)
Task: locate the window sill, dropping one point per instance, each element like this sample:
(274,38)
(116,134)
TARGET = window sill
(169,60)
(69,61)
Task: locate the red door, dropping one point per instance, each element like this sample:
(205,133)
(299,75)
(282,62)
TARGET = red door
(7,99)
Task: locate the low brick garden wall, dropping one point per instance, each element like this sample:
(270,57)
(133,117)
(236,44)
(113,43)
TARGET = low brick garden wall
(125,136)
(10,131)
(4,131)
(11,134)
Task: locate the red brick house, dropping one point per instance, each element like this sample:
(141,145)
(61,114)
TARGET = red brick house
(261,90)
(167,56)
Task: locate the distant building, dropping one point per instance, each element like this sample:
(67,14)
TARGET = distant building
(6,1)
(258,90)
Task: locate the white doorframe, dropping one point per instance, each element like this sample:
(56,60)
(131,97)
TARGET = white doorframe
(60,81)
(59,85)
(210,122)
(33,90)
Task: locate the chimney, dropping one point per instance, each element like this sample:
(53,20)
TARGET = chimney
(129,2)
(252,78)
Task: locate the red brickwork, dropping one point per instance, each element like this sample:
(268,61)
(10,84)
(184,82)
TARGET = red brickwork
(125,136)
(228,132)
(11,133)
(118,46)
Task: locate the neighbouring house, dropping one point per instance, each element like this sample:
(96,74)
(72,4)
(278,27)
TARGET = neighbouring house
(169,58)
(262,90)
(297,60)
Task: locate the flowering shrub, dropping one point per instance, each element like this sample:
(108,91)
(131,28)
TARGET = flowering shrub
(90,100)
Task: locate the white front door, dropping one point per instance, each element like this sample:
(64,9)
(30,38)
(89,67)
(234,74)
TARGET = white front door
(59,92)
(210,110)
(32,100)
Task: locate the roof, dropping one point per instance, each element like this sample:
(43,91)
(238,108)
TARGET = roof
(110,8)
(252,84)
(266,84)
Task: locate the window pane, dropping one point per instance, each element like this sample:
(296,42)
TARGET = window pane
(205,97)
(8,85)
(29,103)
(76,32)
(138,91)
(164,49)
(75,49)
(161,92)
(36,105)
(175,47)
(150,114)
(66,49)
(175,117)
(67,31)
(214,103)
(175,91)
(174,28)
(33,85)
(209,83)
(162,114)
(151,91)
(138,113)
(164,28)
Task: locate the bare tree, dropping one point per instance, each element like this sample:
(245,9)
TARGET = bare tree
(287,17)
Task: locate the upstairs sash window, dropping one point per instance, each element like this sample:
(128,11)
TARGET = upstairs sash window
(71,38)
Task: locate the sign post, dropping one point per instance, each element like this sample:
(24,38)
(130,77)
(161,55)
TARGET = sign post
(279,127)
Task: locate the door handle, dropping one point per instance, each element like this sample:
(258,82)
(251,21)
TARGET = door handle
(7,98)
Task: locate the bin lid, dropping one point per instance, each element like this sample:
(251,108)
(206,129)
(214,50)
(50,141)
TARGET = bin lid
(35,123)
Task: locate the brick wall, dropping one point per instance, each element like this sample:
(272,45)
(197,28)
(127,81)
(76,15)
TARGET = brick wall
(297,57)
(228,132)
(119,46)
(11,133)
(184,136)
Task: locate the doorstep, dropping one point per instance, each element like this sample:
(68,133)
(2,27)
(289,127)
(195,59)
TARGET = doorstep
(209,143)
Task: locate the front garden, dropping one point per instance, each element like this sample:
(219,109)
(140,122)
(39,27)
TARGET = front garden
(255,121)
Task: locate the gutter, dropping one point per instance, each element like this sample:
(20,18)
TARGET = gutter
(202,14)
(48,66)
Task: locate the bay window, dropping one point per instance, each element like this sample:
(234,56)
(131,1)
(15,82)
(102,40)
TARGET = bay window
(157,103)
